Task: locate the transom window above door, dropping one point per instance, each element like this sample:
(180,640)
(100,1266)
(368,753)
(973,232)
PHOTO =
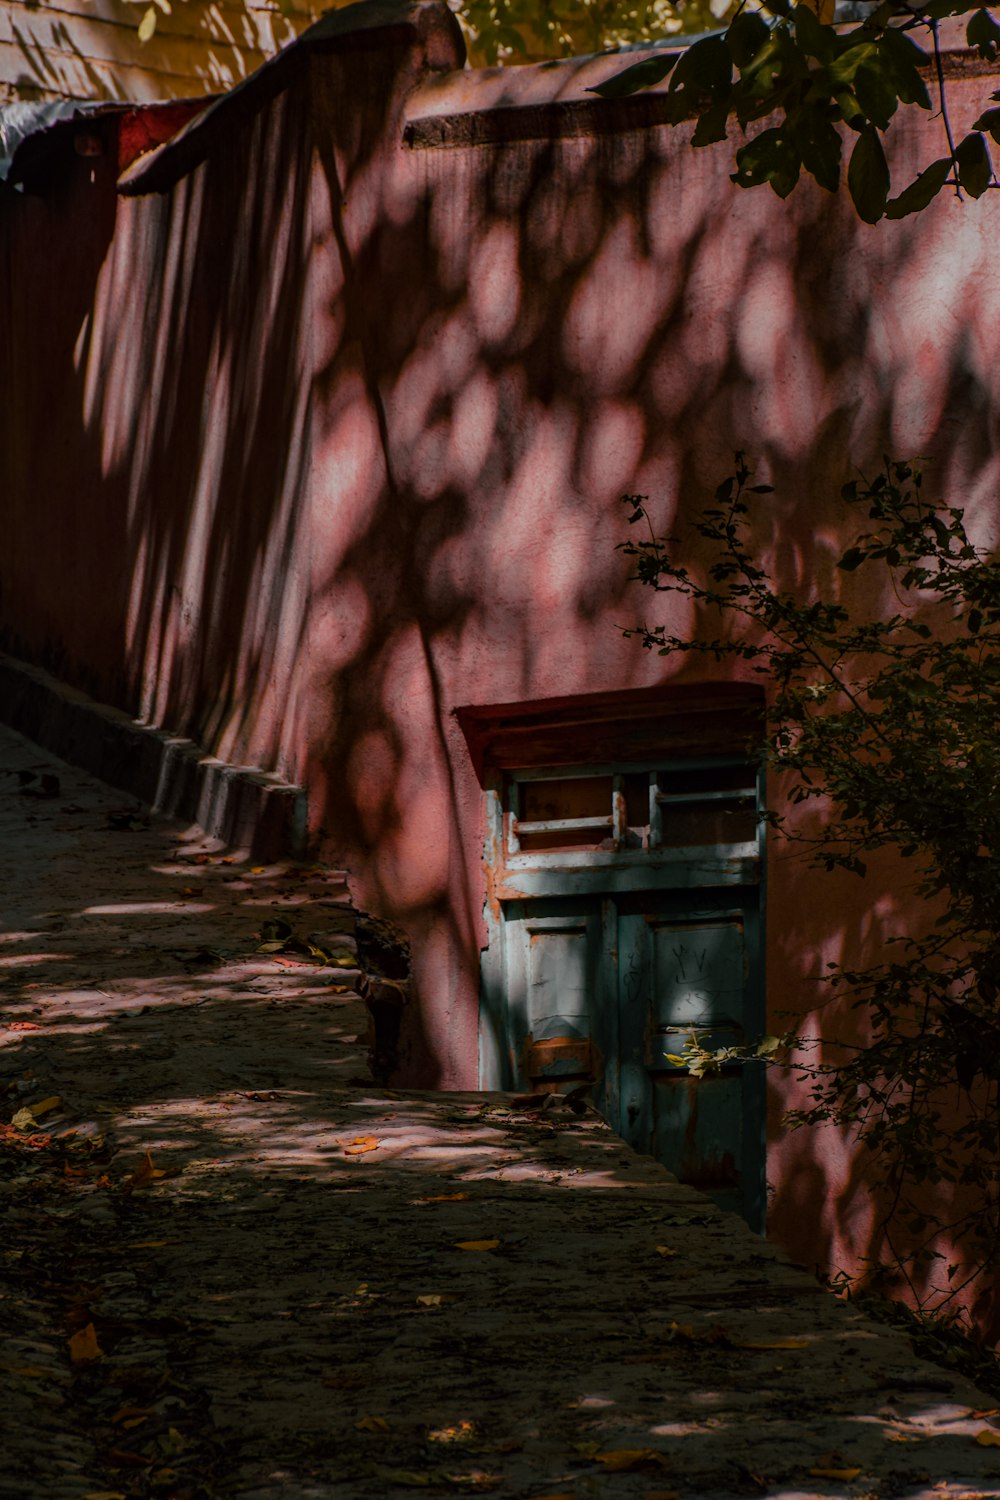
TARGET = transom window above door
(627,809)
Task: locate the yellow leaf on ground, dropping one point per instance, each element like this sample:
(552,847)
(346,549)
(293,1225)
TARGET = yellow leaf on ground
(476,1244)
(443,1198)
(665,1250)
(431,1299)
(103,1495)
(372,1424)
(145,1173)
(988,1438)
(23,1120)
(45,1106)
(361,1144)
(631,1460)
(83,1346)
(819,1473)
(461,1432)
(773,1344)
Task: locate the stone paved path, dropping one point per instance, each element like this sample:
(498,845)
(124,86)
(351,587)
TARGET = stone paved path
(232,1267)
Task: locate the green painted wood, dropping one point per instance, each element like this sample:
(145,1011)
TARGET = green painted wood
(606,961)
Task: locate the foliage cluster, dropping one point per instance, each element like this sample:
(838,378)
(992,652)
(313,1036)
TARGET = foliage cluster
(531,30)
(820,83)
(884,728)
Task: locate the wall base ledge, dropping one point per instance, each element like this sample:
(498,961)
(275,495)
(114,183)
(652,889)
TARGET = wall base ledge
(241,805)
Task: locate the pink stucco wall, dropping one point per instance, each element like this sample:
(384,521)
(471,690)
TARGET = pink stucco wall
(324,438)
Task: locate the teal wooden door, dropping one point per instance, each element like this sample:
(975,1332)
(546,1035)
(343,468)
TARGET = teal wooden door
(625,916)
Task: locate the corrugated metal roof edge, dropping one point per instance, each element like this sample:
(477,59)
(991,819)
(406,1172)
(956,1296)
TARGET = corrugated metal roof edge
(157,171)
(31,132)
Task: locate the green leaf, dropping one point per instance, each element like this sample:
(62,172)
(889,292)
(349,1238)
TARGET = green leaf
(641,75)
(712,125)
(852,558)
(747,34)
(850,109)
(920,193)
(983,33)
(901,61)
(706,64)
(868,178)
(813,37)
(819,145)
(847,64)
(774,60)
(975,170)
(769,157)
(875,93)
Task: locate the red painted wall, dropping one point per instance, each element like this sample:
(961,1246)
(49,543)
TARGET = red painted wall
(325,437)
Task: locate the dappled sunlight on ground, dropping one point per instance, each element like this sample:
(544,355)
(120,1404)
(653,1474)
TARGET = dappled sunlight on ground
(236,1268)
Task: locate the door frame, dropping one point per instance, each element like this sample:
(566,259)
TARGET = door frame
(726,876)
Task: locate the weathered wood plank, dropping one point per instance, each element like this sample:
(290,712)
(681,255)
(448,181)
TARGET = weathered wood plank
(89,49)
(35,74)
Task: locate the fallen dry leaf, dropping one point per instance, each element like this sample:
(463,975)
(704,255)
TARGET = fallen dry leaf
(103,1495)
(631,1460)
(988,1438)
(83,1346)
(476,1244)
(372,1424)
(361,1144)
(462,1432)
(442,1198)
(23,1119)
(150,1244)
(145,1173)
(821,1473)
(132,1413)
(431,1299)
(665,1250)
(124,1458)
(22,1026)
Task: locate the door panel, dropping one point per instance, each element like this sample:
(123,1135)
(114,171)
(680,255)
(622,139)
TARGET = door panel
(698,973)
(561,1002)
(698,1132)
(686,971)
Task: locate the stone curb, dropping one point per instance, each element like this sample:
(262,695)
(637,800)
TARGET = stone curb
(240,805)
